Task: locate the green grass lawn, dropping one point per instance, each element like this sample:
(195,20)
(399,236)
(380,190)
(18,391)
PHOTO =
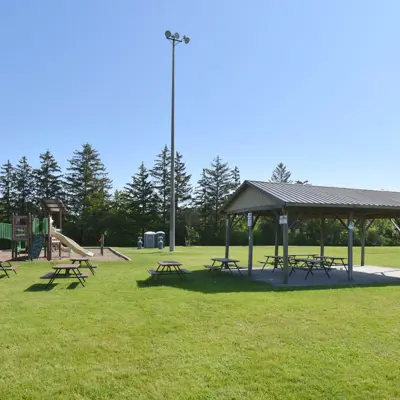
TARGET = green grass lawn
(212,337)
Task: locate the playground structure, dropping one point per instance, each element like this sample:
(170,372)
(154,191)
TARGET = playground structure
(24,233)
(55,239)
(29,235)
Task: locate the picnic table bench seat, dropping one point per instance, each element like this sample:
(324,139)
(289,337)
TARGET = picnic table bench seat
(153,272)
(337,264)
(210,267)
(219,267)
(89,266)
(5,266)
(263,262)
(10,267)
(49,275)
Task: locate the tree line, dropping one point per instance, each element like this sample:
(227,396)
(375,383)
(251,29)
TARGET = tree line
(144,202)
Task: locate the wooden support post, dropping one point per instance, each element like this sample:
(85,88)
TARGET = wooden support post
(363,232)
(227,235)
(60,227)
(30,236)
(49,241)
(277,232)
(285,233)
(102,244)
(322,240)
(350,230)
(250,260)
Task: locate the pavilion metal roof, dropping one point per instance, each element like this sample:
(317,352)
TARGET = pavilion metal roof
(292,193)
(310,200)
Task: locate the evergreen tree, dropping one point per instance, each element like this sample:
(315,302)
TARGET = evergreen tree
(202,202)
(140,200)
(183,188)
(119,227)
(24,187)
(220,186)
(48,177)
(7,192)
(281,174)
(183,191)
(118,201)
(87,186)
(161,174)
(211,194)
(235,178)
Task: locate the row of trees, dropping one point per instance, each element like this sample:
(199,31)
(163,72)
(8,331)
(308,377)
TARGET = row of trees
(144,202)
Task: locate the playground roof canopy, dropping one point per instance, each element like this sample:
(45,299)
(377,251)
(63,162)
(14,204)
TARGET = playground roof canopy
(268,198)
(54,206)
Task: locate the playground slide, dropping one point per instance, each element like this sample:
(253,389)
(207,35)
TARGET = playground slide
(71,244)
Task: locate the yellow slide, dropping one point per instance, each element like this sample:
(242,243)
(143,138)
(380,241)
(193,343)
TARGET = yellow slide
(70,243)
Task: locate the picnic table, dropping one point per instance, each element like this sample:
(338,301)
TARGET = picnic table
(224,263)
(6,266)
(334,261)
(307,255)
(275,261)
(70,271)
(168,268)
(84,262)
(312,264)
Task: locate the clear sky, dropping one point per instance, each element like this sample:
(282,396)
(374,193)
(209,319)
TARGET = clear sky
(314,84)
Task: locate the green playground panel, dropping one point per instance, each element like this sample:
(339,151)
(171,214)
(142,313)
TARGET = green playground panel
(36,226)
(37,229)
(45,226)
(5,231)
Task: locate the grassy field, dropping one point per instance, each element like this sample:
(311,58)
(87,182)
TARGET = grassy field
(212,337)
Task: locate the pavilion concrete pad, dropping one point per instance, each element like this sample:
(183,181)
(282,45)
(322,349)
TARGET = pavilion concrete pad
(361,276)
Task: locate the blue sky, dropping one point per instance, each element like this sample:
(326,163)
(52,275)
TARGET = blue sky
(314,84)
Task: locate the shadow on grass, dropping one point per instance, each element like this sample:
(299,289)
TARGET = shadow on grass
(73,285)
(40,287)
(44,287)
(217,282)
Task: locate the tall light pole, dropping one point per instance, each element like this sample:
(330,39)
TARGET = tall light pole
(174,39)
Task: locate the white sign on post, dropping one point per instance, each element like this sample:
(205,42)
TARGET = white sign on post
(351,227)
(250,219)
(283,219)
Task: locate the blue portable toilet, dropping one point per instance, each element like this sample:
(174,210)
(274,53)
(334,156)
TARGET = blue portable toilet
(150,240)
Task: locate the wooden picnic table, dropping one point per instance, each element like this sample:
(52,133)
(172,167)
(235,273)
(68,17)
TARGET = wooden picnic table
(308,255)
(84,262)
(224,263)
(70,271)
(275,261)
(312,264)
(6,266)
(168,268)
(334,261)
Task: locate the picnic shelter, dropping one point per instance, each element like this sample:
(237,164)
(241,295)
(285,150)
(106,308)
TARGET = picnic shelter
(288,203)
